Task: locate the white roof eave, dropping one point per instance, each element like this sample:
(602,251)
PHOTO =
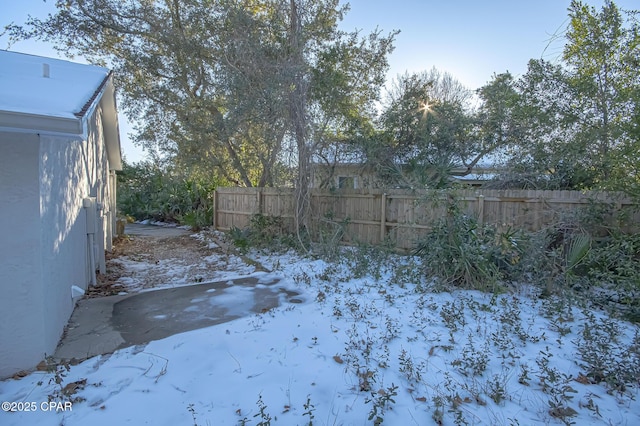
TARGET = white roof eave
(35,123)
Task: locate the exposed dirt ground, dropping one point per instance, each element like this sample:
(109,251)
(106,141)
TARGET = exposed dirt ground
(180,250)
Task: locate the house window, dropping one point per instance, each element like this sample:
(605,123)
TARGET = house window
(346,182)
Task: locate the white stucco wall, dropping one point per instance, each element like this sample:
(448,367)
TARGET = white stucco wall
(70,170)
(22,301)
(65,169)
(100,182)
(44,245)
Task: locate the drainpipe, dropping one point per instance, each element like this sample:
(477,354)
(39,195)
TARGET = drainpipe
(90,207)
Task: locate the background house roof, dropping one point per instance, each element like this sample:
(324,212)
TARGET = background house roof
(52,95)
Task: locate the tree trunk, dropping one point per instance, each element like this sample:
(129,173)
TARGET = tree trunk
(297,112)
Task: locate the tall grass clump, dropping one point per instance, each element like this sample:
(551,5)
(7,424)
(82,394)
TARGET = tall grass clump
(461,252)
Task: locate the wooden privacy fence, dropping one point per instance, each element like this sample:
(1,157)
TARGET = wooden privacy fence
(402,217)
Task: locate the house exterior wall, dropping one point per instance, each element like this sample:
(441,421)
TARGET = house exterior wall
(65,167)
(58,133)
(45,249)
(355,176)
(101,188)
(71,170)
(22,301)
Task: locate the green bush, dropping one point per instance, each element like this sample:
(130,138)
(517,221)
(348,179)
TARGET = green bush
(149,190)
(264,232)
(464,253)
(616,260)
(459,252)
(613,270)
(555,258)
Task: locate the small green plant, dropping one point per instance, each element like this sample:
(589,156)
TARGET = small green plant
(240,238)
(438,413)
(309,408)
(193,414)
(382,401)
(452,314)
(497,388)
(523,377)
(473,362)
(364,260)
(604,358)
(547,375)
(412,372)
(590,404)
(302,278)
(264,417)
(561,411)
(392,329)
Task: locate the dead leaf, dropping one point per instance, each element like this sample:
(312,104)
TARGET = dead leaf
(20,374)
(562,412)
(337,359)
(583,379)
(73,387)
(421,399)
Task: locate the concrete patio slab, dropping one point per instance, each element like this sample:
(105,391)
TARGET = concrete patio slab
(105,324)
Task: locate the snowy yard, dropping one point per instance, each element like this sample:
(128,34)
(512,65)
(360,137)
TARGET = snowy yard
(370,344)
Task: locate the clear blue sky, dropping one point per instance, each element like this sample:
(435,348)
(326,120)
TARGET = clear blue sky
(471,39)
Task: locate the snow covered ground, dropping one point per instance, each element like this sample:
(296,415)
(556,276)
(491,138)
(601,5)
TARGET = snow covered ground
(370,344)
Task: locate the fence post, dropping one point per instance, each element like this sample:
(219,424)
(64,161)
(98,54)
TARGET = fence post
(215,210)
(383,217)
(259,199)
(480,210)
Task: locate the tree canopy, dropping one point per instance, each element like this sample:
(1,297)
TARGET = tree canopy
(253,90)
(579,118)
(214,83)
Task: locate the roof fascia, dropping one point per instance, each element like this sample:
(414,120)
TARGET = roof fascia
(36,123)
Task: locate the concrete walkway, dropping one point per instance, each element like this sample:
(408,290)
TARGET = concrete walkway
(104,324)
(154,231)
